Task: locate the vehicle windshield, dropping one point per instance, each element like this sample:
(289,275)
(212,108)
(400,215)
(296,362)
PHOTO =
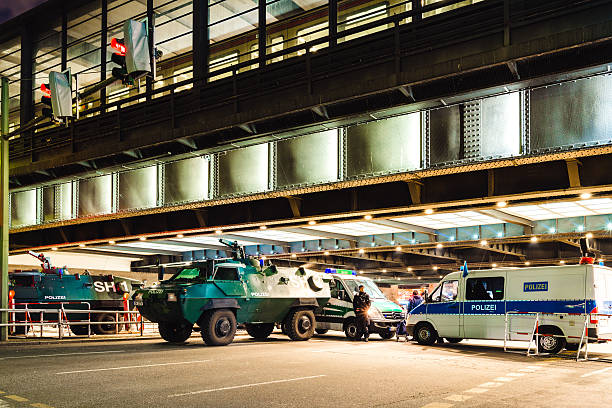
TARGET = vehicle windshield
(368,286)
(187,275)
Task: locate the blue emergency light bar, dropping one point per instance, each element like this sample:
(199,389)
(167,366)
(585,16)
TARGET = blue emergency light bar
(340,271)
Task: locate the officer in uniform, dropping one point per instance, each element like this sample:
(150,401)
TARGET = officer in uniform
(361,305)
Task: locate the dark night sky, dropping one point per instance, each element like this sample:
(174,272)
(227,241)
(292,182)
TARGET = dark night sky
(12,8)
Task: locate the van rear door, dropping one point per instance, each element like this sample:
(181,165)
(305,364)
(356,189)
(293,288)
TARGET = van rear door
(603,299)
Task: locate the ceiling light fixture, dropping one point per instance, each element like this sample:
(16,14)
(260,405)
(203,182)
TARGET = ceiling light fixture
(384,270)
(111,242)
(54,249)
(562,262)
(409,269)
(312,222)
(398,249)
(435,268)
(502,204)
(179,235)
(429,211)
(367,217)
(143,238)
(293,255)
(326,253)
(263,227)
(218,232)
(586,196)
(439,245)
(589,235)
(81,245)
(527,263)
(493,265)
(533,239)
(361,251)
(484,242)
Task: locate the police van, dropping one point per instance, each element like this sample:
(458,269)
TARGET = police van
(338,314)
(491,304)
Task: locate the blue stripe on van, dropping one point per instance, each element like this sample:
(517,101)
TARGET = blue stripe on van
(500,307)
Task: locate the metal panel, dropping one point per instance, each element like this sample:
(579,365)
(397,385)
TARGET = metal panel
(500,123)
(243,171)
(95,195)
(384,146)
(64,201)
(307,159)
(48,204)
(444,135)
(23,208)
(186,180)
(138,188)
(571,114)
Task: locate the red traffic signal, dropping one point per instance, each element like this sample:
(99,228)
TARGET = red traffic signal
(119,46)
(45,89)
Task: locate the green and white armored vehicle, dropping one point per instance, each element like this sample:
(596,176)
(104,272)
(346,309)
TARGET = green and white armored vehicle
(217,295)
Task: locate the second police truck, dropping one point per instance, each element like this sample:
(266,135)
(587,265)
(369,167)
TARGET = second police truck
(338,313)
(505,303)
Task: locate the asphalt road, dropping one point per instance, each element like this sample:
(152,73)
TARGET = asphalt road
(327,371)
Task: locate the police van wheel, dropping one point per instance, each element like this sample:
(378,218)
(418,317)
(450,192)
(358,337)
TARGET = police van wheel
(175,332)
(260,330)
(386,335)
(550,343)
(425,334)
(321,331)
(300,324)
(79,329)
(453,340)
(218,327)
(351,329)
(107,324)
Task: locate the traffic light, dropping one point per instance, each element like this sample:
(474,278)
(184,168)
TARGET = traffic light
(132,56)
(57,95)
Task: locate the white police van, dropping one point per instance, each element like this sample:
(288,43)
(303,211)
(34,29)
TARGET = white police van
(338,314)
(490,304)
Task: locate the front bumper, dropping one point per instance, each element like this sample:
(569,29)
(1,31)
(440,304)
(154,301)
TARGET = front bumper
(383,325)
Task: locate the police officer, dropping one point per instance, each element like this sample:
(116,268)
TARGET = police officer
(361,305)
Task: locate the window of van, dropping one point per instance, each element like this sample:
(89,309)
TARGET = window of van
(449,290)
(227,273)
(485,288)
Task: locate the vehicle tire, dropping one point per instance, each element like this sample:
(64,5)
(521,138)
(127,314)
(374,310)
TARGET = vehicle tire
(425,334)
(453,340)
(321,331)
(351,329)
(174,332)
(218,327)
(300,324)
(79,329)
(107,323)
(549,342)
(386,335)
(259,330)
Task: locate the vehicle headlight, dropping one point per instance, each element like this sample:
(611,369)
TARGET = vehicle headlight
(374,313)
(172,297)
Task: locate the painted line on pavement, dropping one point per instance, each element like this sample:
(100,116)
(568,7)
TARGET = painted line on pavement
(16,398)
(603,370)
(477,390)
(62,354)
(246,385)
(128,367)
(515,374)
(490,385)
(504,379)
(39,405)
(4,404)
(438,405)
(458,397)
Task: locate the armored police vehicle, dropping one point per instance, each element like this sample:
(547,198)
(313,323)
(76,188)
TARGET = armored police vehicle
(505,303)
(216,295)
(338,314)
(51,287)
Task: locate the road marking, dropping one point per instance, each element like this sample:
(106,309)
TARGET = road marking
(39,405)
(462,356)
(438,405)
(490,384)
(2,392)
(603,370)
(62,354)
(526,370)
(246,385)
(458,397)
(128,367)
(4,404)
(504,379)
(534,367)
(515,374)
(16,398)
(477,390)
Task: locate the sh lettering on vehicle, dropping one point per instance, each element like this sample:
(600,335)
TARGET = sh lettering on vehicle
(100,286)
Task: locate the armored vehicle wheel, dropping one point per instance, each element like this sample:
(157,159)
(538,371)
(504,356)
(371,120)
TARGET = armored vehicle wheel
(218,327)
(79,329)
(321,331)
(453,340)
(351,330)
(107,323)
(386,335)
(425,334)
(259,330)
(300,324)
(175,332)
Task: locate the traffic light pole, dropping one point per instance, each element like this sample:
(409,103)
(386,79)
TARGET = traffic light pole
(4,208)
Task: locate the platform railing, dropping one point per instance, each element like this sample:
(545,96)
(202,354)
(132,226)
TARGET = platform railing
(534,332)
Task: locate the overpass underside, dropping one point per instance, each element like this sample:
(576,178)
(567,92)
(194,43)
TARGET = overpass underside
(470,111)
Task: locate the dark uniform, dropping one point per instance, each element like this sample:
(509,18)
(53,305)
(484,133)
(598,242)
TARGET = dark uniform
(361,305)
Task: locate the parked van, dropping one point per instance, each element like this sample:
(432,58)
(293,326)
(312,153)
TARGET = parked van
(490,304)
(338,313)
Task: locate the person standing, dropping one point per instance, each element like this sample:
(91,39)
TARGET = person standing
(415,300)
(361,305)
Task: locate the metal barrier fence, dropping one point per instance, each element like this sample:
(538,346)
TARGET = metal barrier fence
(534,335)
(35,316)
